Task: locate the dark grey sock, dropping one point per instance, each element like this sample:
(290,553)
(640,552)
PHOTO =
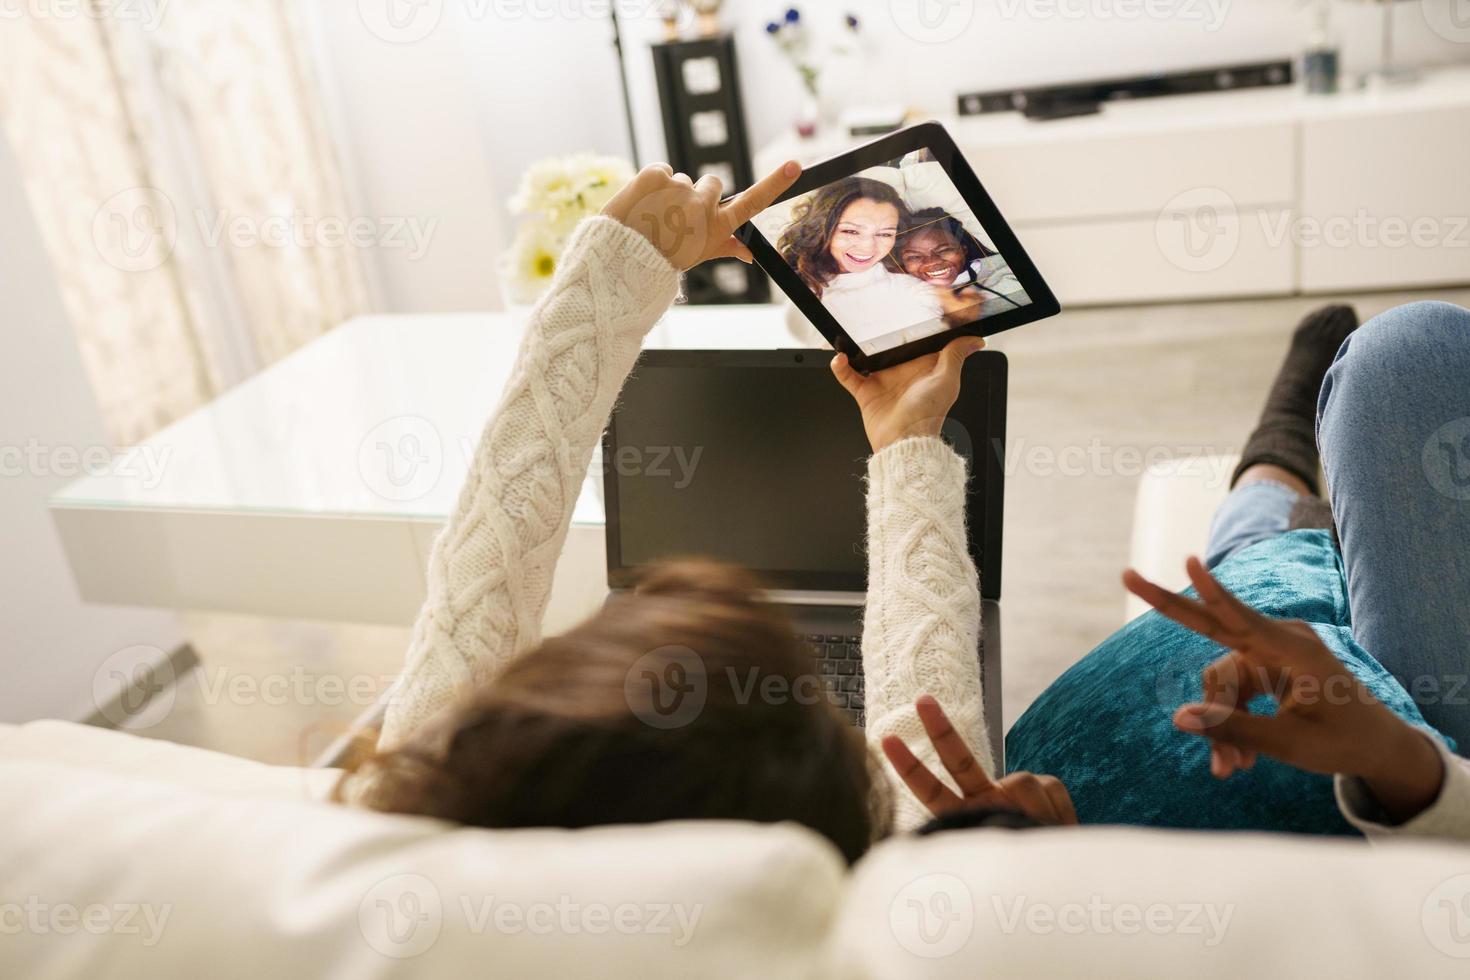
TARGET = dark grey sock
(1286,435)
(1315,513)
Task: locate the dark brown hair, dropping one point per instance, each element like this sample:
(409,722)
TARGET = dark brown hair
(805,242)
(688,699)
(938,219)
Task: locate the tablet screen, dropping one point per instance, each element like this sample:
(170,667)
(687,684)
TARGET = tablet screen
(893,253)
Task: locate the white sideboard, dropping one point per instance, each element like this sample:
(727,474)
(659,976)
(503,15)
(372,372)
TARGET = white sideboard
(1256,192)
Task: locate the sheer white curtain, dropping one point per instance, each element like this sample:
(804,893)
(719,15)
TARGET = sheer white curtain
(179,166)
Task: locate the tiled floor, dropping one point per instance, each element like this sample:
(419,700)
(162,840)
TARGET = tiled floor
(1092,393)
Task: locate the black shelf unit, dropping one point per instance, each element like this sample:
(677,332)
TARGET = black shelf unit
(704,128)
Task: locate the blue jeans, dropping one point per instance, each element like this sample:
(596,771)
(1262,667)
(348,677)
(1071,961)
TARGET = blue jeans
(1393,427)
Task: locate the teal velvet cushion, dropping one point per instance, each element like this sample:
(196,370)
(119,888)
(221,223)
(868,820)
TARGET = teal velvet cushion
(1104,727)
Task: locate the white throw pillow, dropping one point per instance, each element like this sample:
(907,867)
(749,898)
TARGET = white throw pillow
(124,878)
(1116,902)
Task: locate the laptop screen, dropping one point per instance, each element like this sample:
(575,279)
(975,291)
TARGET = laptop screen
(751,457)
(754,464)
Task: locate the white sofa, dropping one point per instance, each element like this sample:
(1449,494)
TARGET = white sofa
(1171,519)
(130,858)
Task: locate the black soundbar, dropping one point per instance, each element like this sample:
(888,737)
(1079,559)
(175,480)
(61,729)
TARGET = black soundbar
(1045,101)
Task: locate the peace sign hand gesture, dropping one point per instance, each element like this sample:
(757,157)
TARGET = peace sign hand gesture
(1043,798)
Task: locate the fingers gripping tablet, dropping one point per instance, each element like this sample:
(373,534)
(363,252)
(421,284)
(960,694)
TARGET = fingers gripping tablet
(894,248)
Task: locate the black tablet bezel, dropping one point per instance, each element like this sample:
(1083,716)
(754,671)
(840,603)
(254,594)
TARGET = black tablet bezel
(933,137)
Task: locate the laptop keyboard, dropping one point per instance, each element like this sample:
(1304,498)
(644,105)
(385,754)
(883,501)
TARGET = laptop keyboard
(840,665)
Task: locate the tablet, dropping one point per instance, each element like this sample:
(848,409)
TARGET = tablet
(893,249)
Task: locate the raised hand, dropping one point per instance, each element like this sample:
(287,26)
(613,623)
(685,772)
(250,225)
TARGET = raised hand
(686,220)
(1043,798)
(908,399)
(1326,720)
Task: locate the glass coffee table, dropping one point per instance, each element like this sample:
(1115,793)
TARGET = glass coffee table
(315,489)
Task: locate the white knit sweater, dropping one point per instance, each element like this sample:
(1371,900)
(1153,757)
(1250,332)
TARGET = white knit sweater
(490,570)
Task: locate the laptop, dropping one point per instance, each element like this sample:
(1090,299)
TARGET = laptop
(758,457)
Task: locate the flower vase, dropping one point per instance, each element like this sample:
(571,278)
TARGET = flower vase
(808,115)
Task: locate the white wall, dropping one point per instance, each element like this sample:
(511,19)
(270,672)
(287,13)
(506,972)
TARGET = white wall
(543,86)
(51,644)
(411,132)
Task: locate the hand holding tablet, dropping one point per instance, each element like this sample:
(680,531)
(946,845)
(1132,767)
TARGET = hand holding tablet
(893,249)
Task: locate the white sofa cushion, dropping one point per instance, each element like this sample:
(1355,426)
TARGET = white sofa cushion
(123,753)
(1147,903)
(119,877)
(1172,511)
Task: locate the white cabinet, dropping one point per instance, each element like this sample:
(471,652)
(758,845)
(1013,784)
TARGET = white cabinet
(1386,200)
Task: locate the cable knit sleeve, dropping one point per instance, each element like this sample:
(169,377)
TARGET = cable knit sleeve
(921,629)
(490,571)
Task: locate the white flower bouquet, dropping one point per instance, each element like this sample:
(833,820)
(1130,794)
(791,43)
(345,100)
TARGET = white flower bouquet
(553,197)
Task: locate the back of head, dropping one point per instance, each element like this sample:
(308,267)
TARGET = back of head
(689,698)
